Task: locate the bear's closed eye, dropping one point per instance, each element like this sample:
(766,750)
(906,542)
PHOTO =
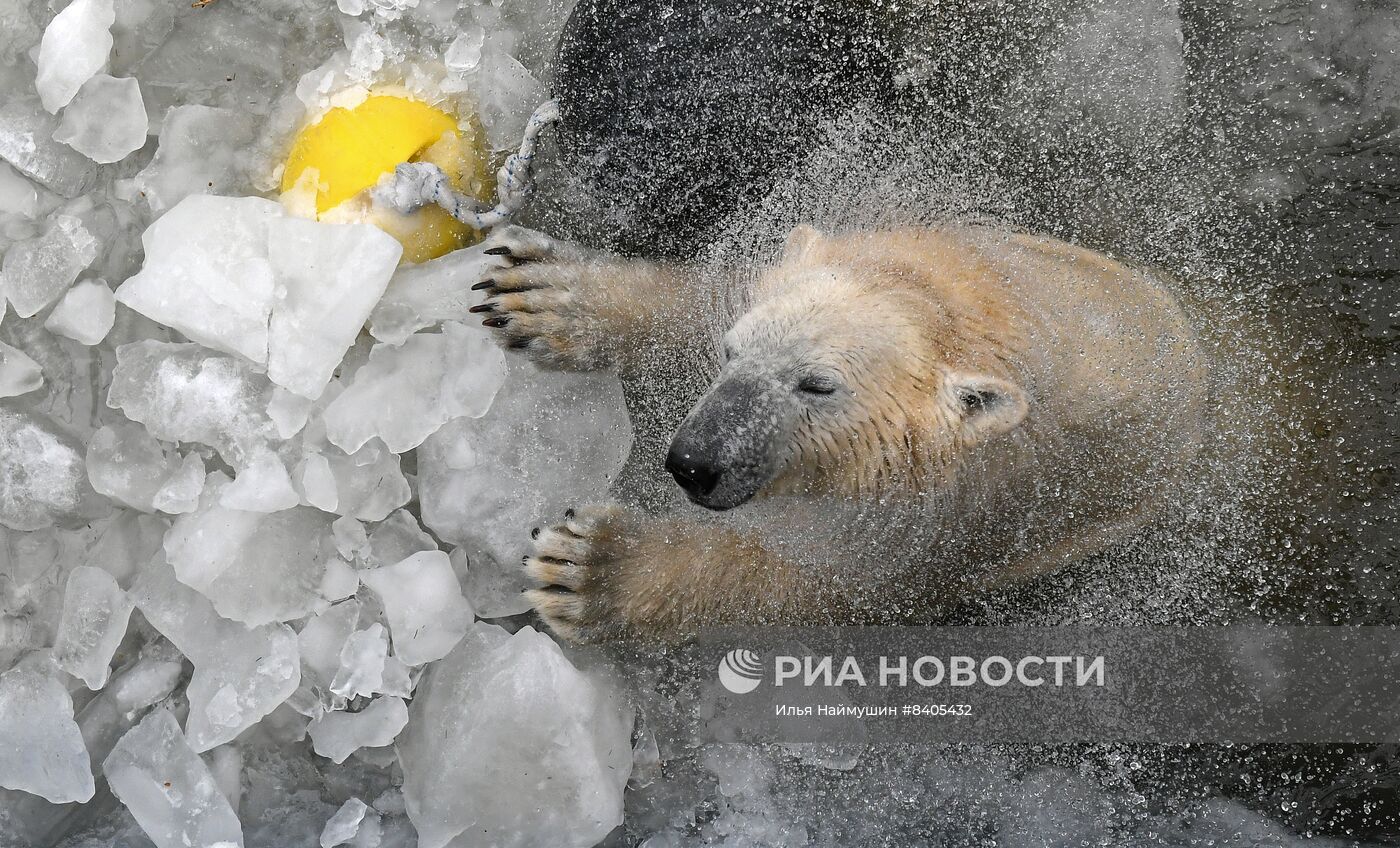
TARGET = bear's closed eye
(817,385)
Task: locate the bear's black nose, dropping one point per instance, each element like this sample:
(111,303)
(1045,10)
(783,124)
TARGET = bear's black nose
(692,473)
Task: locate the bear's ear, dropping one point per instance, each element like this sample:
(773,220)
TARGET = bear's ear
(987,405)
(801,242)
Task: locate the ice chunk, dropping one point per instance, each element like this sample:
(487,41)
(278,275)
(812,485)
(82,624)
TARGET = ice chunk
(397,538)
(41,748)
(39,270)
(423,295)
(200,152)
(207,275)
(464,53)
(256,568)
(351,539)
(17,194)
(18,373)
(240,674)
(321,641)
(362,663)
(106,120)
(339,734)
(262,486)
(43,479)
(345,824)
(95,613)
(424,605)
(26,142)
(558,743)
(168,788)
(507,95)
(127,465)
(181,491)
(74,47)
(367,484)
(404,394)
(226,765)
(186,393)
(332,275)
(85,314)
(550,442)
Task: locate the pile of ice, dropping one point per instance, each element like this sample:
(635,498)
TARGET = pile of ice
(259,491)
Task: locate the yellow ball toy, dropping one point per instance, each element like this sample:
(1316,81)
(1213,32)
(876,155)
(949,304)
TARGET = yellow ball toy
(349,149)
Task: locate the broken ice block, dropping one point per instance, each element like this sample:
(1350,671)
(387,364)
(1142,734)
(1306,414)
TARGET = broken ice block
(39,270)
(200,152)
(26,142)
(255,567)
(557,741)
(187,393)
(404,394)
(106,120)
(397,538)
(43,479)
(345,824)
(361,663)
(331,276)
(41,748)
(127,465)
(321,641)
(207,275)
(339,734)
(17,194)
(74,47)
(424,295)
(18,373)
(168,788)
(85,314)
(551,441)
(424,605)
(240,674)
(261,486)
(367,484)
(180,493)
(95,613)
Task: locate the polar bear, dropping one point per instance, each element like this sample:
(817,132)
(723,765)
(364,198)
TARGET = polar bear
(1021,401)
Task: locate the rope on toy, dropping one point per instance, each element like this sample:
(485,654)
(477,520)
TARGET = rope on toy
(416,184)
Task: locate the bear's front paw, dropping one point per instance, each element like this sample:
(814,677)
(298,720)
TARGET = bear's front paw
(578,564)
(541,303)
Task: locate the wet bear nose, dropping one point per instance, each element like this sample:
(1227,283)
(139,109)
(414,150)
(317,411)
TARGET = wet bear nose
(692,473)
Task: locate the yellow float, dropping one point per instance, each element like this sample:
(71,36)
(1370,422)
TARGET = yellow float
(347,150)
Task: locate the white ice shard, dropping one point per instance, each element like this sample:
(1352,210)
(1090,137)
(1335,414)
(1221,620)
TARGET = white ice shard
(129,466)
(557,741)
(43,478)
(18,195)
(367,484)
(95,614)
(404,394)
(74,47)
(187,393)
(361,669)
(397,538)
(19,375)
(254,567)
(261,486)
(424,295)
(240,674)
(330,277)
(551,441)
(345,824)
(213,283)
(424,605)
(201,151)
(26,142)
(337,735)
(321,641)
(38,271)
(41,748)
(168,788)
(180,492)
(106,120)
(85,314)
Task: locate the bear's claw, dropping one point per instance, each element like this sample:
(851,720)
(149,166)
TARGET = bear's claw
(572,567)
(537,302)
